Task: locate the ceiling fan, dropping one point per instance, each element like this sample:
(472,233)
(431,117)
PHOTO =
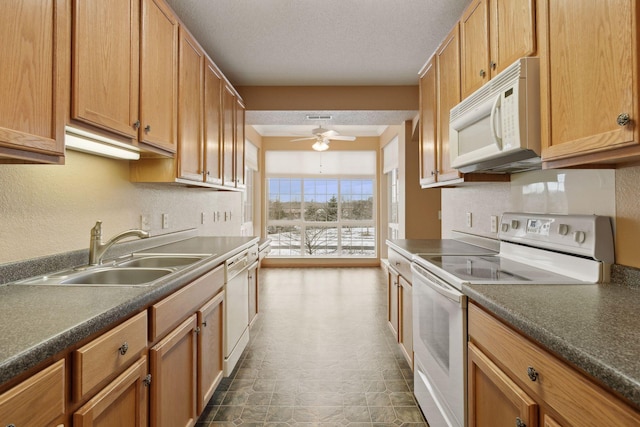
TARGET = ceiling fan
(323,137)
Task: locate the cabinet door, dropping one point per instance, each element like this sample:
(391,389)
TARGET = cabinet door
(549,421)
(212,124)
(32,82)
(210,348)
(173,373)
(448,65)
(406,318)
(393,309)
(37,401)
(190,98)
(474,47)
(512,32)
(105,64)
(494,399)
(228,162)
(581,98)
(122,402)
(428,124)
(239,143)
(159,76)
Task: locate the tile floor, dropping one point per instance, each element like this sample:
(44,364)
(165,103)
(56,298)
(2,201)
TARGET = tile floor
(320,353)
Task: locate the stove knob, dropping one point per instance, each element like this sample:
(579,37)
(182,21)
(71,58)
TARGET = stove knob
(505,227)
(563,229)
(579,236)
(515,224)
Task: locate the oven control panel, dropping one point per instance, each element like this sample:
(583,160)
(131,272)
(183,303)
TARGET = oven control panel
(586,235)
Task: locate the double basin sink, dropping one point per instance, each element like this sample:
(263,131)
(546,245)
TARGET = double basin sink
(134,270)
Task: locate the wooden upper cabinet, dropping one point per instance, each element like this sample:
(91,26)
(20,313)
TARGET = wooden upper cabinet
(212,124)
(474,36)
(589,81)
(512,32)
(494,34)
(228,131)
(238,153)
(190,108)
(448,96)
(158,76)
(34,68)
(105,64)
(428,122)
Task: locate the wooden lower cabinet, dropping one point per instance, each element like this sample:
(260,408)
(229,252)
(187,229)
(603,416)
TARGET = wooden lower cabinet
(494,399)
(38,401)
(405,337)
(210,348)
(173,373)
(392,283)
(511,378)
(123,402)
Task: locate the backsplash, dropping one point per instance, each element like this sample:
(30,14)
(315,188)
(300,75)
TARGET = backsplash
(47,209)
(560,191)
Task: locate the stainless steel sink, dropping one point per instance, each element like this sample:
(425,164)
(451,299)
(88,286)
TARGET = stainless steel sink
(137,270)
(117,276)
(159,261)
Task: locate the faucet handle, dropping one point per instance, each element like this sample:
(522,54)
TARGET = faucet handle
(96,231)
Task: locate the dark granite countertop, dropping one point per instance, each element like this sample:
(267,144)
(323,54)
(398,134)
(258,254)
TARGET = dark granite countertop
(37,322)
(594,327)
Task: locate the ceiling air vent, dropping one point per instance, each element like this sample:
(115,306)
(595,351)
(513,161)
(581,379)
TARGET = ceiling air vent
(317,117)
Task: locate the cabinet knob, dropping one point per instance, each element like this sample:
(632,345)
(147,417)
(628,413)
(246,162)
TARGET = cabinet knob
(623,119)
(147,380)
(483,73)
(520,423)
(123,348)
(147,128)
(204,323)
(532,373)
(433,173)
(136,125)
(493,65)
(11,425)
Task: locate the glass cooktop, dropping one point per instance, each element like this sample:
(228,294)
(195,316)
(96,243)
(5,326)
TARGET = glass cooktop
(491,269)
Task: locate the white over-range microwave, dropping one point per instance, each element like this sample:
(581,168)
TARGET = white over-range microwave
(497,128)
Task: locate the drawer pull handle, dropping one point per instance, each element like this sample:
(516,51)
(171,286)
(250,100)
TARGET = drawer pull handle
(124,348)
(204,323)
(398,263)
(147,128)
(532,373)
(520,423)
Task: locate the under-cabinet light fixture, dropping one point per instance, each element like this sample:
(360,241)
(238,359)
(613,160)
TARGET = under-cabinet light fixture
(87,142)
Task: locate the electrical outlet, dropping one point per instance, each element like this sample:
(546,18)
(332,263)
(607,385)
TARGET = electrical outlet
(494,223)
(165,220)
(144,222)
(469,223)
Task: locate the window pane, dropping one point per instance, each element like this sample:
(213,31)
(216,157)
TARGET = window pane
(320,240)
(284,198)
(284,240)
(319,203)
(358,240)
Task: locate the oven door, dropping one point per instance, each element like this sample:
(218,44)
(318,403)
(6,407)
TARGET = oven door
(439,345)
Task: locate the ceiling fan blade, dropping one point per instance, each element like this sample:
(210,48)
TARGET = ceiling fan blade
(343,138)
(304,139)
(330,133)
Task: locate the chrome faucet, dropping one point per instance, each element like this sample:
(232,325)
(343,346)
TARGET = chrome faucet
(97,249)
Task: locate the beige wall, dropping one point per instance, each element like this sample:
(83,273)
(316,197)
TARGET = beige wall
(628,216)
(46,210)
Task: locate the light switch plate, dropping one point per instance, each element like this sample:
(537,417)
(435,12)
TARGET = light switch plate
(469,222)
(165,220)
(494,223)
(144,222)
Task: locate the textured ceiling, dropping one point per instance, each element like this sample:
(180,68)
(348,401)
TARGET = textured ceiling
(319,42)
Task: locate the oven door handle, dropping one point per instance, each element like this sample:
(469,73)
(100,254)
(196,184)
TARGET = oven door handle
(437,285)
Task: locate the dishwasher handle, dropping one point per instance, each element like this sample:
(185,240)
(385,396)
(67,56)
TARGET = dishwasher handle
(236,266)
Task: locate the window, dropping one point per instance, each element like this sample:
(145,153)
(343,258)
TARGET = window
(316,215)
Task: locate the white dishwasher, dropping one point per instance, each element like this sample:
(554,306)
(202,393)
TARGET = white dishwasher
(236,310)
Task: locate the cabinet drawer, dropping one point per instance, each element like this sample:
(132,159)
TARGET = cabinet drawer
(568,392)
(182,303)
(37,401)
(253,254)
(401,264)
(108,354)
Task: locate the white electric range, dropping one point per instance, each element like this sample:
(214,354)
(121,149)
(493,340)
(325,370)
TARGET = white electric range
(534,249)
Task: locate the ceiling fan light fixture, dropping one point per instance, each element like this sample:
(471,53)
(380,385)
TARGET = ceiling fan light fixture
(320,146)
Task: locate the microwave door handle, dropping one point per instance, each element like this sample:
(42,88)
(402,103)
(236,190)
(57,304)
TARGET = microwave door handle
(495,112)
